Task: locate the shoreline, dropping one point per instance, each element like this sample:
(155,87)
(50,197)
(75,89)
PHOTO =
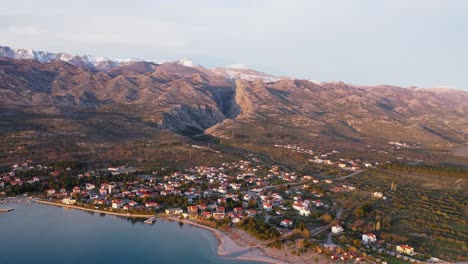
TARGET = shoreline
(226,245)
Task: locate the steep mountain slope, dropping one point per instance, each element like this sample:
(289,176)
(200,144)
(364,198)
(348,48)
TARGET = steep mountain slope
(52,99)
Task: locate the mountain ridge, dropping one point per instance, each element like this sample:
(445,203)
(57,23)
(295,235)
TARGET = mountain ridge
(74,102)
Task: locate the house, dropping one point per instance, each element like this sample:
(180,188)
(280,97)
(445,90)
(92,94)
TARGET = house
(252,213)
(152,205)
(337,229)
(174,211)
(377,194)
(117,203)
(193,209)
(405,249)
(206,215)
(286,223)
(218,216)
(76,189)
(102,192)
(220,210)
(317,203)
(68,200)
(50,192)
(267,207)
(369,238)
(304,212)
(235,219)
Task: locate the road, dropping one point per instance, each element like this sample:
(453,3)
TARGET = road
(283,184)
(302,182)
(349,175)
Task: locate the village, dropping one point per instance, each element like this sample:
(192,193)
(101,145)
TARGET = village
(223,196)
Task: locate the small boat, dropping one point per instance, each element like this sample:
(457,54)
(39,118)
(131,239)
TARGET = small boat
(150,220)
(5,210)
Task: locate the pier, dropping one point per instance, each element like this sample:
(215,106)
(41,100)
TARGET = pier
(150,220)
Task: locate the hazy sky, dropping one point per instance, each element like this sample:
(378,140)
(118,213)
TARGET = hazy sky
(402,42)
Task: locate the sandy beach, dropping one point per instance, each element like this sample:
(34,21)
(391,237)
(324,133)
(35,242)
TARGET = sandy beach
(227,247)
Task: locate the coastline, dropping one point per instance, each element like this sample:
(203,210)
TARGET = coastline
(227,247)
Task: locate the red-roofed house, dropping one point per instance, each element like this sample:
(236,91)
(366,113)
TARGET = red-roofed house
(286,223)
(405,249)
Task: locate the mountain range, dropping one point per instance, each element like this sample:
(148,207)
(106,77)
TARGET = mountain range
(49,97)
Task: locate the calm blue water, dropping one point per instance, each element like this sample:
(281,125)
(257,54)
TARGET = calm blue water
(47,235)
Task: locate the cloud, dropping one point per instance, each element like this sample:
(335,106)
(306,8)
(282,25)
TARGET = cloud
(325,40)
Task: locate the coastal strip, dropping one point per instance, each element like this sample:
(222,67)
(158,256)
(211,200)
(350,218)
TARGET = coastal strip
(95,210)
(227,247)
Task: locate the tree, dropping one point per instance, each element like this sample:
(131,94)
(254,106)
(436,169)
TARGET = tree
(326,218)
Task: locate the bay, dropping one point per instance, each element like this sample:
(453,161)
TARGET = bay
(39,234)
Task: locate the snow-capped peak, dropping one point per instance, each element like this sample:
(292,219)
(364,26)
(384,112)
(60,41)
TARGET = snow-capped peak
(186,62)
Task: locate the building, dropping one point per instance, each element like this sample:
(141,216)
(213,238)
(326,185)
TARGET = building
(405,249)
(68,200)
(369,238)
(286,223)
(337,229)
(174,211)
(117,203)
(218,216)
(50,192)
(193,209)
(152,205)
(304,212)
(377,194)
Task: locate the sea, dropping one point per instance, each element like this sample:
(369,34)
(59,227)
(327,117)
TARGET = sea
(44,234)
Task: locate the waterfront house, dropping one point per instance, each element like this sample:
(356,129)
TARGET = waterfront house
(76,189)
(174,211)
(68,200)
(117,203)
(218,216)
(50,192)
(192,209)
(206,215)
(152,205)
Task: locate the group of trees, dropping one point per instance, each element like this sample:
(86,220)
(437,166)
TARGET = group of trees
(442,170)
(258,229)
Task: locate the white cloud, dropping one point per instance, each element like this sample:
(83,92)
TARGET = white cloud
(369,42)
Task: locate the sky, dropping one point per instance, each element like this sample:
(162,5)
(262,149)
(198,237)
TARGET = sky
(420,43)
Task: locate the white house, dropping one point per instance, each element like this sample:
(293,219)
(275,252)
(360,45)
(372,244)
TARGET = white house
(369,238)
(174,211)
(304,212)
(337,229)
(377,194)
(117,203)
(50,192)
(68,200)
